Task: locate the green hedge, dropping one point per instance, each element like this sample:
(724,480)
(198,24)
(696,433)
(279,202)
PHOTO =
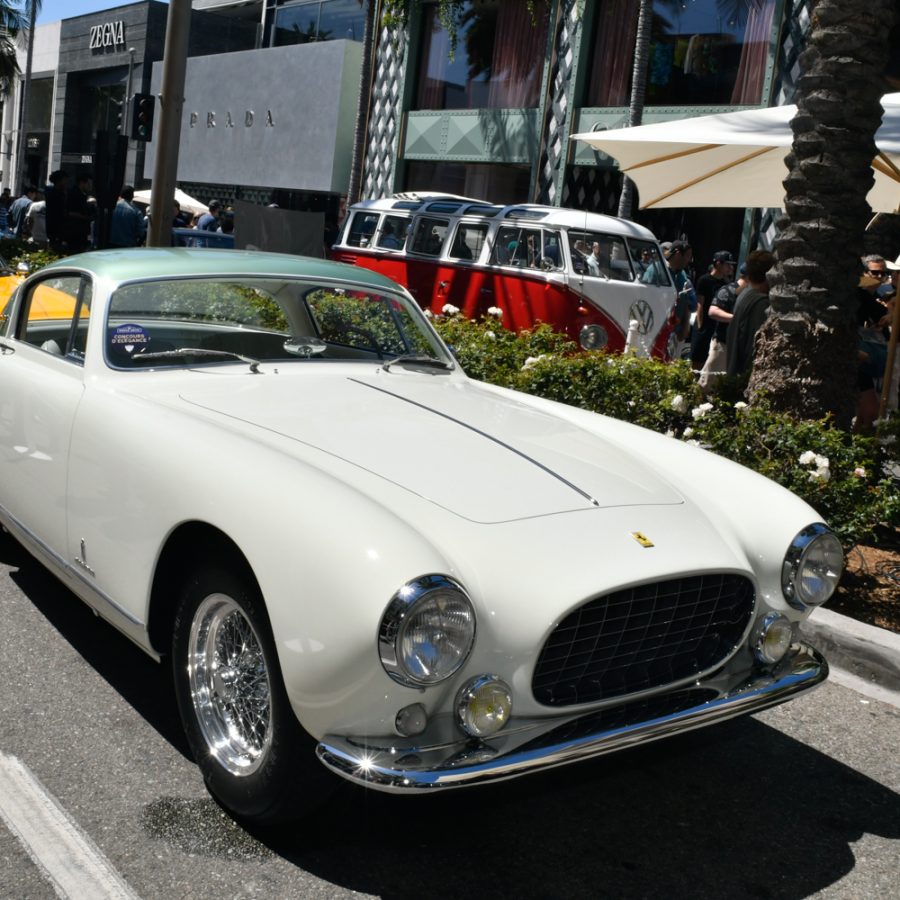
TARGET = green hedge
(845,477)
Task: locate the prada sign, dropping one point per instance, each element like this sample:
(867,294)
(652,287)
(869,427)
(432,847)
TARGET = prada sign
(228,120)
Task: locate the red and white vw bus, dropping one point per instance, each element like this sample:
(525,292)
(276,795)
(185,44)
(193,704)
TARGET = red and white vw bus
(600,279)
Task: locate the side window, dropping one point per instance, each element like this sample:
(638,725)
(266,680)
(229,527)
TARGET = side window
(648,263)
(54,316)
(361,229)
(515,246)
(393,233)
(468,241)
(429,234)
(600,256)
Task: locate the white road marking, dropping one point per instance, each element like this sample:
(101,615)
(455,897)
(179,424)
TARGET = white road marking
(68,858)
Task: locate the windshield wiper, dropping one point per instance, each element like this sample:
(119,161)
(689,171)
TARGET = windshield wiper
(200,351)
(415,359)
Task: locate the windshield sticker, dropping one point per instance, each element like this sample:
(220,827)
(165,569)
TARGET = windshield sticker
(128,337)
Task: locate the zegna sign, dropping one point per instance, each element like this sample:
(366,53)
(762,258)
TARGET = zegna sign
(228,121)
(109,34)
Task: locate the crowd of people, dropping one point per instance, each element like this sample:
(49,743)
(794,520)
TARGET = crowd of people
(64,217)
(718,317)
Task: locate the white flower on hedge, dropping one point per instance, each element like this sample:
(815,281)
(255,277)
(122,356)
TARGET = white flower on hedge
(859,472)
(740,405)
(532,361)
(428,314)
(698,412)
(490,335)
(807,457)
(670,433)
(822,462)
(678,403)
(495,311)
(820,475)
(688,431)
(448,309)
(630,403)
(693,443)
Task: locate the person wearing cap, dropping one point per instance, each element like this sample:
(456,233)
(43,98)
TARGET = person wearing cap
(720,273)
(209,221)
(721,312)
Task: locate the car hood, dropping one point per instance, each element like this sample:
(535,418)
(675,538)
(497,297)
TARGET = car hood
(483,456)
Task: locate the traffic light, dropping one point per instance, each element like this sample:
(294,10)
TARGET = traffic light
(142,108)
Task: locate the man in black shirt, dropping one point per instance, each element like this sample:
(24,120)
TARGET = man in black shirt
(721,273)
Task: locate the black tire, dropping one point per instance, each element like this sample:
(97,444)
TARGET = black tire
(256,759)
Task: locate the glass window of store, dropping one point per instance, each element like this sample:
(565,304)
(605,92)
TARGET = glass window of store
(318,20)
(494,182)
(498,62)
(701,53)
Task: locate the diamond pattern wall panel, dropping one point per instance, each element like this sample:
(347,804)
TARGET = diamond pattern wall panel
(562,85)
(592,189)
(386,110)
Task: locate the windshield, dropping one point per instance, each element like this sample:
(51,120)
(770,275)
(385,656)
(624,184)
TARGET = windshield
(211,321)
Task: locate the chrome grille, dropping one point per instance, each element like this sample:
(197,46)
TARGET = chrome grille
(643,637)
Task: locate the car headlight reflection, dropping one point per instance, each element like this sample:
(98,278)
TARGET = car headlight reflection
(427,631)
(593,337)
(812,567)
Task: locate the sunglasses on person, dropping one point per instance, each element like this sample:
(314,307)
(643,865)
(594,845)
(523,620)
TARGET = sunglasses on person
(878,273)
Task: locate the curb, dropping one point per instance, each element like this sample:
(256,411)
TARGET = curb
(869,653)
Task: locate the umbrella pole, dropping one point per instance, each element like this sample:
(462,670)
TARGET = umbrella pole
(891,356)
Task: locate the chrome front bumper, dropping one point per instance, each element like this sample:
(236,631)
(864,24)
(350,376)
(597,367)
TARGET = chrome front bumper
(545,743)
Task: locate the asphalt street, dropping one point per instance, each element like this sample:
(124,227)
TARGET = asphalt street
(800,801)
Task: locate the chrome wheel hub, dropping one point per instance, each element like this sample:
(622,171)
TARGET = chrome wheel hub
(229,685)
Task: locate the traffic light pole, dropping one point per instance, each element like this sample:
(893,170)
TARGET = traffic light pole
(168,134)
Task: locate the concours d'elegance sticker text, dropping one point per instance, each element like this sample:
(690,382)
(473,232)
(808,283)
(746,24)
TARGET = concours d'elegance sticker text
(128,337)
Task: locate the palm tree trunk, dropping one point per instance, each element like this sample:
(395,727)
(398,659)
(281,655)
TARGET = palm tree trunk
(806,360)
(23,110)
(638,93)
(362,106)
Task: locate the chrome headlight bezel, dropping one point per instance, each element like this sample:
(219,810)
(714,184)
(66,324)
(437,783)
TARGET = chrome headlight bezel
(407,603)
(772,625)
(593,337)
(812,538)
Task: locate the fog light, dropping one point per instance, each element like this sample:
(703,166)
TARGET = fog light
(774,636)
(593,337)
(483,706)
(411,720)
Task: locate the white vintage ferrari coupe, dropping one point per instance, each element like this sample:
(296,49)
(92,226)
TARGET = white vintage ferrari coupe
(270,471)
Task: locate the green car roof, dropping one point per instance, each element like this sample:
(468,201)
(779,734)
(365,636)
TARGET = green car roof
(162,262)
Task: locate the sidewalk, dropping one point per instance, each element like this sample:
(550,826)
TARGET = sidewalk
(869,657)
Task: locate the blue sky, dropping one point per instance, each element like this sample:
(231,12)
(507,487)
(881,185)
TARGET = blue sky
(54,10)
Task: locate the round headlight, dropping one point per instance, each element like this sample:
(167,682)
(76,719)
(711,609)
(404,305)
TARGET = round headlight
(483,706)
(812,567)
(773,638)
(593,337)
(427,631)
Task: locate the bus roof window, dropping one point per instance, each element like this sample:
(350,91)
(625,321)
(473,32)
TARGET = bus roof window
(407,204)
(443,207)
(521,212)
(486,211)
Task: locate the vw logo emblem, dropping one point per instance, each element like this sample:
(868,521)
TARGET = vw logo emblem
(641,313)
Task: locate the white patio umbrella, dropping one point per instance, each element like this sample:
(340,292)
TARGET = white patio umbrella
(185,201)
(732,159)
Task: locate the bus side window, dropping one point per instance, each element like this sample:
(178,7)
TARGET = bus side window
(468,241)
(393,233)
(648,263)
(361,229)
(429,234)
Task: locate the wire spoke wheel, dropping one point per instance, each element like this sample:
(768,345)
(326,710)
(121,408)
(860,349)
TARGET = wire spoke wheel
(229,685)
